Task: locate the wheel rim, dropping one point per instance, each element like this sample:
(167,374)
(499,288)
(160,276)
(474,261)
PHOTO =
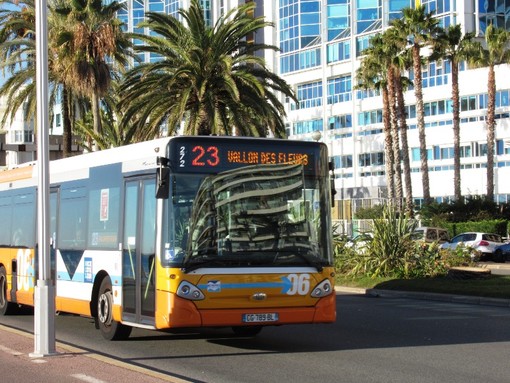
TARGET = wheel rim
(104,312)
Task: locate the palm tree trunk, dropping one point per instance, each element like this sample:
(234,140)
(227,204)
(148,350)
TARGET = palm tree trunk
(96,114)
(388,145)
(456,132)
(395,137)
(401,109)
(420,115)
(491,125)
(67,136)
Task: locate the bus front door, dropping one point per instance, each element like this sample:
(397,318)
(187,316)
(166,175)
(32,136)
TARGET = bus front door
(138,268)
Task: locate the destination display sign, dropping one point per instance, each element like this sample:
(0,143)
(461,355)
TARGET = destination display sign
(215,154)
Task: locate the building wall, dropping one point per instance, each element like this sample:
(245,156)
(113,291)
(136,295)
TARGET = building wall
(320,59)
(320,41)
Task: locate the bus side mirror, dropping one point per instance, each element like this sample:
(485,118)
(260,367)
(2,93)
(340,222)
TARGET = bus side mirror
(162,179)
(331,168)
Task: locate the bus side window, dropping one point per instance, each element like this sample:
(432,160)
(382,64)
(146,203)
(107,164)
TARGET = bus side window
(23,229)
(73,219)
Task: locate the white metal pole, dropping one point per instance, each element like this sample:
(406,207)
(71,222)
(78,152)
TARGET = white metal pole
(44,311)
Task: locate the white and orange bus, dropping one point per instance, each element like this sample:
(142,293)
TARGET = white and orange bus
(178,232)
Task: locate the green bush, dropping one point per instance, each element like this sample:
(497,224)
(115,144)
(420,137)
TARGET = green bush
(382,255)
(392,252)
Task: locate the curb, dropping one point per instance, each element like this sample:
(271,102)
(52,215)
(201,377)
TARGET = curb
(452,298)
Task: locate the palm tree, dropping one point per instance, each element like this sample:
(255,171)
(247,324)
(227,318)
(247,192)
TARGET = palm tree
(419,28)
(210,78)
(495,52)
(17,47)
(401,61)
(384,52)
(86,36)
(455,47)
(17,54)
(372,75)
(114,133)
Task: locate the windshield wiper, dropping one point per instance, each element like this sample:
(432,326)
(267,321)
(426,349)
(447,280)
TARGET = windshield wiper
(197,262)
(298,252)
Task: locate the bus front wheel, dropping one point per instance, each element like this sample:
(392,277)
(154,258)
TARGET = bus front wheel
(110,329)
(6,307)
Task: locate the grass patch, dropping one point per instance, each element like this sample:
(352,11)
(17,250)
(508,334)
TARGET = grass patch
(496,286)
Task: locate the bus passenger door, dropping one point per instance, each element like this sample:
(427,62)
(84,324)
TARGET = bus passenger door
(138,259)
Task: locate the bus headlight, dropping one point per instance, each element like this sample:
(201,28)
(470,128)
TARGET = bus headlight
(189,291)
(322,289)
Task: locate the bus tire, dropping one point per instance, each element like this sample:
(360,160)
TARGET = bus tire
(110,329)
(246,331)
(6,307)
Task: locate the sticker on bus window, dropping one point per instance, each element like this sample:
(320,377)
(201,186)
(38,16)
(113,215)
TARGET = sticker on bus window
(105,201)
(87,273)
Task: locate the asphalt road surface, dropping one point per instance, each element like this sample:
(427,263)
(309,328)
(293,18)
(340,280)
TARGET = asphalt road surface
(374,340)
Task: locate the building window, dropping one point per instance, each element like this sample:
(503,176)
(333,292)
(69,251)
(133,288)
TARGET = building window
(371,159)
(362,43)
(138,15)
(339,89)
(338,14)
(339,51)
(310,95)
(338,122)
(493,12)
(436,74)
(310,23)
(342,162)
(301,60)
(303,127)
(172,7)
(368,15)
(370,117)
(395,8)
(156,6)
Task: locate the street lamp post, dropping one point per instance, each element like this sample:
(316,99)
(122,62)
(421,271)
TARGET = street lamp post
(44,296)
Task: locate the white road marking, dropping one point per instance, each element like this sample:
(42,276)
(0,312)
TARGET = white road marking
(87,378)
(10,351)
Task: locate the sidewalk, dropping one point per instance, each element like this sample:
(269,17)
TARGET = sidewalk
(68,365)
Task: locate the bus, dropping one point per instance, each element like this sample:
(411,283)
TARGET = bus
(178,232)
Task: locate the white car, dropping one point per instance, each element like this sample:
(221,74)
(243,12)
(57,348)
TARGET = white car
(359,242)
(483,243)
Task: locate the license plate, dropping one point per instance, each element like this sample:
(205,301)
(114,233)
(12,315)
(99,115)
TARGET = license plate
(264,317)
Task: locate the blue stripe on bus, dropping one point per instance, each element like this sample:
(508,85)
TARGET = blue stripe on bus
(285,285)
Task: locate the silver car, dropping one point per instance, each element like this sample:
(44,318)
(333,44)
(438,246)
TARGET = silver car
(484,244)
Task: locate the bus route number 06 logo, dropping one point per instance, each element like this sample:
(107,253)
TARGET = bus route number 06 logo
(299,284)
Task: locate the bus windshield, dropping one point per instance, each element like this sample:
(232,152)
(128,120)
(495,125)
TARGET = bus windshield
(253,216)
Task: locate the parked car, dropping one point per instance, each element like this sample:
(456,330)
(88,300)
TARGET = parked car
(502,253)
(483,243)
(430,234)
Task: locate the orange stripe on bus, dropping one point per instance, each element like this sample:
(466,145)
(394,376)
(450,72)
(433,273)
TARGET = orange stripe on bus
(74,306)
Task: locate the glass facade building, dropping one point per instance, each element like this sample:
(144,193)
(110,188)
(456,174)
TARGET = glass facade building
(320,45)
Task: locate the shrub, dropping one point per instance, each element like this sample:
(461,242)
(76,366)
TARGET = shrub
(392,252)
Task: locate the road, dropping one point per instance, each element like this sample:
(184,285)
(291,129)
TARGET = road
(374,340)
